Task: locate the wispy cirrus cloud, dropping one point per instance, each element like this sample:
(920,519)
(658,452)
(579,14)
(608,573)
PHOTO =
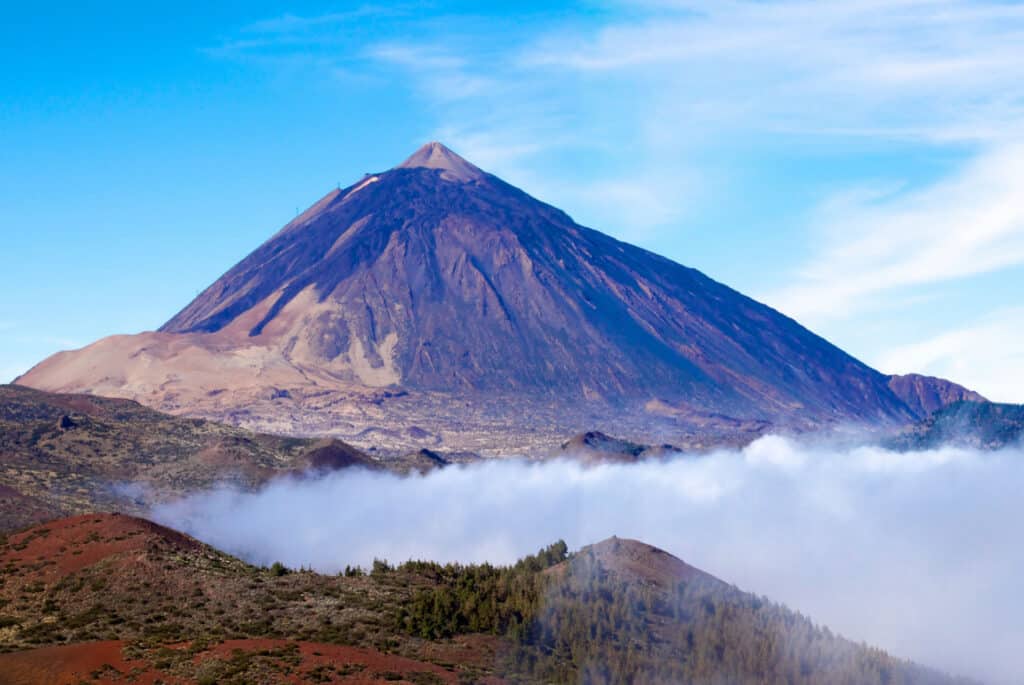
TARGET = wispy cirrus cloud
(985,355)
(875,246)
(292,23)
(441,74)
(320,42)
(934,69)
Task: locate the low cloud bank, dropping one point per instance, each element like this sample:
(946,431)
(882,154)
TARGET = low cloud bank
(919,553)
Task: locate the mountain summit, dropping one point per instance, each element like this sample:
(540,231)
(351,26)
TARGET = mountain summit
(437,156)
(450,288)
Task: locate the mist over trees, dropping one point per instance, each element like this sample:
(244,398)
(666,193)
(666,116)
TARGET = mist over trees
(571,619)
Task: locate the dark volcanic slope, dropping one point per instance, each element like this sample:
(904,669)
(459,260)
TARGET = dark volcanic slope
(449,279)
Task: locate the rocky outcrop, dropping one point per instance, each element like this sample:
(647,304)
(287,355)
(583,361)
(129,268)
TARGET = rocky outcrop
(927,394)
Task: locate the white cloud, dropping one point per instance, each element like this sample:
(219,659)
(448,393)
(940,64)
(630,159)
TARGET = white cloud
(986,356)
(937,69)
(879,546)
(873,246)
(291,23)
(417,57)
(442,76)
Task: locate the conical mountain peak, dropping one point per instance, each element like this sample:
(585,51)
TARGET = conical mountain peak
(438,278)
(435,155)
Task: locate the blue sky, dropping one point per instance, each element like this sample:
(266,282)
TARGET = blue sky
(857,164)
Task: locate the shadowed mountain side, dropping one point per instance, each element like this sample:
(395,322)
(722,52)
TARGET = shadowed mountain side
(439,280)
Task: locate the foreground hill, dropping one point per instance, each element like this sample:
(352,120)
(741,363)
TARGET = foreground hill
(109,598)
(65,454)
(436,296)
(104,598)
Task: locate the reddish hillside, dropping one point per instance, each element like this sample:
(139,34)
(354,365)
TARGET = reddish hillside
(236,661)
(64,546)
(102,598)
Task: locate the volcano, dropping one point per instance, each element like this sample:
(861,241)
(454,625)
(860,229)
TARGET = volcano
(401,305)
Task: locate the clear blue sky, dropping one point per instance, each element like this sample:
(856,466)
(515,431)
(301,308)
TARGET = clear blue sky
(857,164)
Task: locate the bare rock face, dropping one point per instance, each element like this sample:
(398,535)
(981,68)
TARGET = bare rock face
(595,447)
(925,395)
(444,285)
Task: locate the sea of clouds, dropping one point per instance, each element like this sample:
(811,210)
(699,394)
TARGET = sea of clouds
(917,552)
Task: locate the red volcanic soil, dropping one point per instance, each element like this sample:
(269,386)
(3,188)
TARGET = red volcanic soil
(68,545)
(73,664)
(104,662)
(136,549)
(376,665)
